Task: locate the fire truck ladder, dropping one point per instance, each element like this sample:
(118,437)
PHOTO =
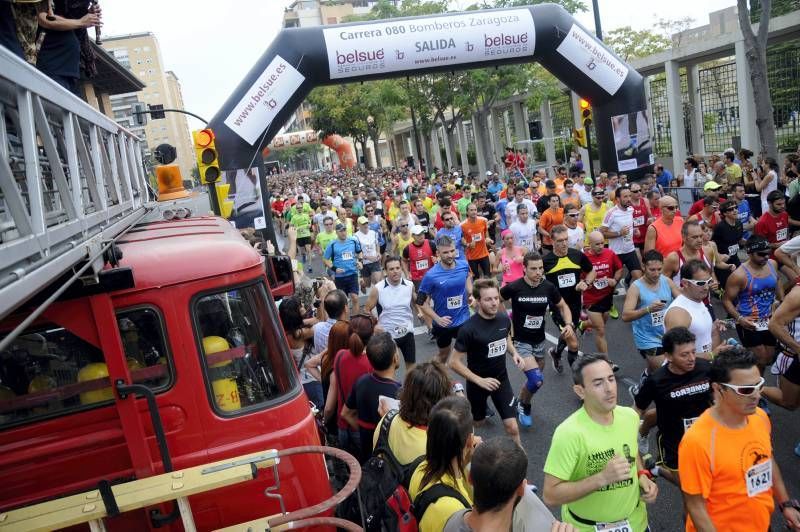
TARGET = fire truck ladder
(71,180)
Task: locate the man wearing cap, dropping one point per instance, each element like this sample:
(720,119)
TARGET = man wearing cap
(343,256)
(475,231)
(710,189)
(585,192)
(371,271)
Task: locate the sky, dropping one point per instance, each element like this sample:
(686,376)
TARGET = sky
(211,46)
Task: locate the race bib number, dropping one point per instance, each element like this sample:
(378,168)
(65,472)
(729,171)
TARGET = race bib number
(400,331)
(628,237)
(526,243)
(422,264)
(455,302)
(347,255)
(639,220)
(601,283)
(657,318)
(733,250)
(533,322)
(497,348)
(477,237)
(705,348)
(781,234)
(619,526)
(566,280)
(688,422)
(762,325)
(758,478)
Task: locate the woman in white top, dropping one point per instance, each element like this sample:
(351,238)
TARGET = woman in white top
(689,170)
(767,180)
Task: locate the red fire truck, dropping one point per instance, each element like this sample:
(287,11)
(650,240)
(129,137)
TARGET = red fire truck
(135,339)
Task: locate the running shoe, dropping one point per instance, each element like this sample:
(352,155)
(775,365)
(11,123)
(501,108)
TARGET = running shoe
(644,446)
(489,411)
(458,388)
(648,461)
(633,389)
(614,313)
(524,414)
(775,369)
(584,327)
(557,366)
(584,316)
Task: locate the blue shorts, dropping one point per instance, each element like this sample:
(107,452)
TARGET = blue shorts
(348,284)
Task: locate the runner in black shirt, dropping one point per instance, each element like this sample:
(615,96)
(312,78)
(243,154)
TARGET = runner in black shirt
(728,236)
(531,296)
(563,267)
(487,210)
(681,391)
(485,339)
(423,217)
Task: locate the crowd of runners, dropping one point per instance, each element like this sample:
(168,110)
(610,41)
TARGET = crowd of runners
(482,263)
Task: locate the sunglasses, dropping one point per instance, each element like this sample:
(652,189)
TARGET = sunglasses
(573,215)
(763,253)
(636,190)
(598,194)
(402,226)
(700,283)
(670,207)
(745,390)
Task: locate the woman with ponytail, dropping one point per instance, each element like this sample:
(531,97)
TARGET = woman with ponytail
(348,365)
(451,441)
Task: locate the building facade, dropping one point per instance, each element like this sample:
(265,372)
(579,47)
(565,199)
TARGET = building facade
(140,53)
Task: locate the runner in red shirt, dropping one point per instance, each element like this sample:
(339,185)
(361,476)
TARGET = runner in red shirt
(640,216)
(599,297)
(774,224)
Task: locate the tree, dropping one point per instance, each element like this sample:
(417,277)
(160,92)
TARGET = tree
(630,44)
(756,54)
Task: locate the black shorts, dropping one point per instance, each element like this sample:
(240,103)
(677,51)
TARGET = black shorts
(630,261)
(668,453)
(305,241)
(604,305)
(408,347)
(480,264)
(639,246)
(652,352)
(503,399)
(755,338)
(792,373)
(444,335)
(370,267)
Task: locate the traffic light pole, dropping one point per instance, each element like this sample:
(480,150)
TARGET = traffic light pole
(213,199)
(150,111)
(588,130)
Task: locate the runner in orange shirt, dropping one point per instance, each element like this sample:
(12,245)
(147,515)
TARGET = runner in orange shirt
(729,477)
(551,217)
(476,238)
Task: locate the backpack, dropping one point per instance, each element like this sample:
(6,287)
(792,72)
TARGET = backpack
(385,505)
(433,494)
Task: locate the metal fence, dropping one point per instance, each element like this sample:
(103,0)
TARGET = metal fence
(783,72)
(719,103)
(662,128)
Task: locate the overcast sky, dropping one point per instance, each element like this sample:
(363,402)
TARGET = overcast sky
(232,35)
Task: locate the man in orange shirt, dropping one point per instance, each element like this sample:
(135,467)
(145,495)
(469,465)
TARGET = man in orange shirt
(729,477)
(551,217)
(476,237)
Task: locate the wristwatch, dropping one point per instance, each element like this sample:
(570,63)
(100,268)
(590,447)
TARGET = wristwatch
(790,503)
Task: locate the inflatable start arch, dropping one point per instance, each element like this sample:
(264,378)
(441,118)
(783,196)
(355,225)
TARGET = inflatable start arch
(344,150)
(300,59)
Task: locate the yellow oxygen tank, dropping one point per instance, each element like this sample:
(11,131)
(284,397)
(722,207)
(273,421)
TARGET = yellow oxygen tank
(90,372)
(226,392)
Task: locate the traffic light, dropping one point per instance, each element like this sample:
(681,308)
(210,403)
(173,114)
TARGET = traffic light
(225,205)
(206,152)
(586,112)
(170,183)
(579,136)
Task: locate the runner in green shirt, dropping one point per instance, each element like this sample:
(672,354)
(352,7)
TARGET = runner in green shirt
(593,469)
(300,217)
(326,236)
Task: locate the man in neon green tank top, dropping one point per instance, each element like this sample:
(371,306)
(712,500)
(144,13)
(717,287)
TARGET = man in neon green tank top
(592,214)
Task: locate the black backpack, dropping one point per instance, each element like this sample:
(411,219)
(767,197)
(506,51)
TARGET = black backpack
(385,505)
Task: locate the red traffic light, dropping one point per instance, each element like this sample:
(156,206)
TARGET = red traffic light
(204,137)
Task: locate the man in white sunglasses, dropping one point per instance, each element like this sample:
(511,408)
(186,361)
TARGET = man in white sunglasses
(689,310)
(729,477)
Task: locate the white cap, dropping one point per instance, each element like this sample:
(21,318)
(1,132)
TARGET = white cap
(417,230)
(489,172)
(455,173)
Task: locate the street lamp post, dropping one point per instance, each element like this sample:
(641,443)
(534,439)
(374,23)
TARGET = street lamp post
(597,28)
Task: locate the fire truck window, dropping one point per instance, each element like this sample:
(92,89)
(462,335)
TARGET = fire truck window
(246,360)
(47,372)
(143,338)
